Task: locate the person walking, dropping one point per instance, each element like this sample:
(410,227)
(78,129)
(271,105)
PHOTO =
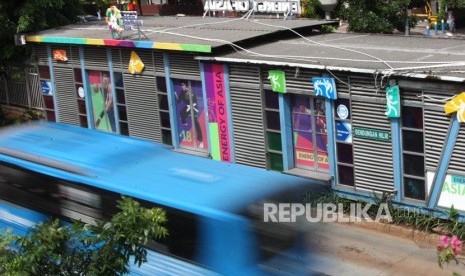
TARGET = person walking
(451,21)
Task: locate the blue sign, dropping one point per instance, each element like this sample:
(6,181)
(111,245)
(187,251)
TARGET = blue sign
(46,87)
(325,87)
(343,132)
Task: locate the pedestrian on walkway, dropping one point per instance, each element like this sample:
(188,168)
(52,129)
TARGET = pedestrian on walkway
(451,21)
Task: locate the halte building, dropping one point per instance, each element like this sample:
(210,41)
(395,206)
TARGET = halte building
(362,113)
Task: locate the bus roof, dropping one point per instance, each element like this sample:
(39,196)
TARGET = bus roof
(139,168)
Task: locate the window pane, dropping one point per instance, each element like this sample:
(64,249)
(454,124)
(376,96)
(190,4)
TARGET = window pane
(165,119)
(274,141)
(302,122)
(272,120)
(300,104)
(77,75)
(161,84)
(412,117)
(414,188)
(48,102)
(275,161)
(81,106)
(50,115)
(122,113)
(342,109)
(118,80)
(344,153)
(120,96)
(412,141)
(414,165)
(83,121)
(123,127)
(345,175)
(166,137)
(163,101)
(271,99)
(44,72)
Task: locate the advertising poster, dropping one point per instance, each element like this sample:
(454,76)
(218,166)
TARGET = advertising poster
(321,135)
(102,101)
(190,115)
(302,132)
(217,112)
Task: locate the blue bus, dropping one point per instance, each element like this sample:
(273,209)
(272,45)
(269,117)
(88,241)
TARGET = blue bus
(214,209)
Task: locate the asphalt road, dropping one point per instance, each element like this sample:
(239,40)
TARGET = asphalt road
(341,249)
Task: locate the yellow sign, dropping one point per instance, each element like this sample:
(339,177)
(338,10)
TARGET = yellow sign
(135,64)
(457,104)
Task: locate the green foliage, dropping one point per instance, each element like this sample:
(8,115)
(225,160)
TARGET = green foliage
(77,249)
(370,16)
(309,8)
(23,16)
(408,217)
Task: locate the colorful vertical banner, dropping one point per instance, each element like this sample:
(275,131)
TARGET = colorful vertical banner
(392,102)
(190,114)
(217,112)
(135,64)
(102,101)
(457,104)
(325,87)
(277,80)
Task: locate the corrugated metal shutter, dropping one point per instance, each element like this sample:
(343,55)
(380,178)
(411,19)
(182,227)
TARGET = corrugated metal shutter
(372,159)
(116,59)
(342,85)
(96,58)
(159,63)
(362,86)
(142,107)
(75,60)
(247,116)
(65,96)
(183,65)
(458,155)
(436,125)
(40,52)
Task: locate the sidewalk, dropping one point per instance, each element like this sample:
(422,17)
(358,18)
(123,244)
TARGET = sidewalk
(345,249)
(419,30)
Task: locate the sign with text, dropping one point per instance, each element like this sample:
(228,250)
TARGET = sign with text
(453,192)
(262,6)
(217,112)
(343,132)
(371,134)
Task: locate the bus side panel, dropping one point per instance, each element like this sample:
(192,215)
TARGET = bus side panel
(229,247)
(18,219)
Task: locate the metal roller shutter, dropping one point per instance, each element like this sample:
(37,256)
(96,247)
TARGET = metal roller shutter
(116,60)
(183,65)
(247,116)
(142,107)
(41,55)
(67,111)
(372,159)
(96,58)
(159,63)
(456,162)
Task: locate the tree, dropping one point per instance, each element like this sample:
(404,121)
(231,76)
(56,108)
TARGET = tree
(23,16)
(374,16)
(78,249)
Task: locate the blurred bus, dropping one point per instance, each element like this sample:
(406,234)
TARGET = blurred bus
(214,209)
